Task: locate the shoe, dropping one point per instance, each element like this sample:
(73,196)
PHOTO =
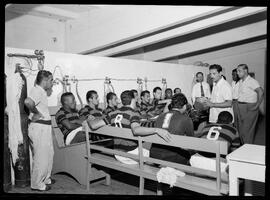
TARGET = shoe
(52,182)
(47,188)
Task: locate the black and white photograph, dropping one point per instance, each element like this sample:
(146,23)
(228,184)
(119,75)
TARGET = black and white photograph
(124,100)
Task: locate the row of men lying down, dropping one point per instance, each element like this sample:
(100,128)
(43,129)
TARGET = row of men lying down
(160,119)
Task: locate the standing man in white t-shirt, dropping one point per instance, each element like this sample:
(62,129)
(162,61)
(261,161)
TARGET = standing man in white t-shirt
(39,132)
(250,96)
(221,97)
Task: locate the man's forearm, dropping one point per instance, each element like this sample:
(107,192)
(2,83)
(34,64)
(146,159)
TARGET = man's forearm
(143,131)
(225,104)
(30,104)
(32,108)
(259,97)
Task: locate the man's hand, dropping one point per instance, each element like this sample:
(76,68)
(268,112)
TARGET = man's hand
(253,107)
(208,103)
(164,134)
(90,117)
(37,116)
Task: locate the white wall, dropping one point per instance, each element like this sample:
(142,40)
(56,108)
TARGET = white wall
(83,67)
(253,54)
(33,32)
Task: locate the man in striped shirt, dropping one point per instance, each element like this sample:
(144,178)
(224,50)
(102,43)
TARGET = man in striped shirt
(226,132)
(112,103)
(93,110)
(68,120)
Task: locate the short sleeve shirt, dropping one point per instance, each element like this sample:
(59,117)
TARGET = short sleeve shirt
(63,114)
(39,96)
(247,90)
(156,109)
(178,124)
(129,116)
(226,133)
(221,92)
(109,109)
(87,110)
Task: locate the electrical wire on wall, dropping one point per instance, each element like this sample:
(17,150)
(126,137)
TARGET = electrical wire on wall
(28,70)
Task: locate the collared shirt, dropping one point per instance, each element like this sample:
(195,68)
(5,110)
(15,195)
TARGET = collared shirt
(156,109)
(235,87)
(39,96)
(145,106)
(196,91)
(221,92)
(109,109)
(63,114)
(129,116)
(247,90)
(87,110)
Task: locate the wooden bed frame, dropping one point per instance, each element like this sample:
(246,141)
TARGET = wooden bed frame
(198,180)
(71,159)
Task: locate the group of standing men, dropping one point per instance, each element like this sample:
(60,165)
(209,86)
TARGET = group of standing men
(242,99)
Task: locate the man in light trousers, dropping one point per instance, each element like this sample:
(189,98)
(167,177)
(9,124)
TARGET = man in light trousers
(40,132)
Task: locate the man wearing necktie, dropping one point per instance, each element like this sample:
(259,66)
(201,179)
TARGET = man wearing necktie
(199,90)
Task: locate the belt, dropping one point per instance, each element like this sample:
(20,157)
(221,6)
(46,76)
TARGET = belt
(46,122)
(242,102)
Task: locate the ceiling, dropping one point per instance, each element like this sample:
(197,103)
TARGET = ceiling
(55,11)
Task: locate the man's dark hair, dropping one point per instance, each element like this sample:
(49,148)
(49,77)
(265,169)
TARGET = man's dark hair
(155,89)
(144,92)
(216,66)
(90,94)
(134,91)
(234,70)
(64,95)
(244,66)
(199,73)
(126,97)
(41,75)
(109,96)
(168,89)
(225,117)
(178,100)
(176,89)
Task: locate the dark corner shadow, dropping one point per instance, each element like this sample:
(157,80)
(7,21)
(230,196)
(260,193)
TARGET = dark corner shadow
(21,9)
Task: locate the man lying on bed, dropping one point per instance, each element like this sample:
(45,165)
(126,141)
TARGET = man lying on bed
(223,130)
(127,117)
(68,120)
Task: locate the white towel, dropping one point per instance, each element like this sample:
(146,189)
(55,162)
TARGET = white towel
(202,162)
(72,134)
(130,161)
(14,85)
(169,175)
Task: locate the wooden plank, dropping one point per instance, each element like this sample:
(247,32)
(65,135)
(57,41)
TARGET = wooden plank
(199,144)
(203,185)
